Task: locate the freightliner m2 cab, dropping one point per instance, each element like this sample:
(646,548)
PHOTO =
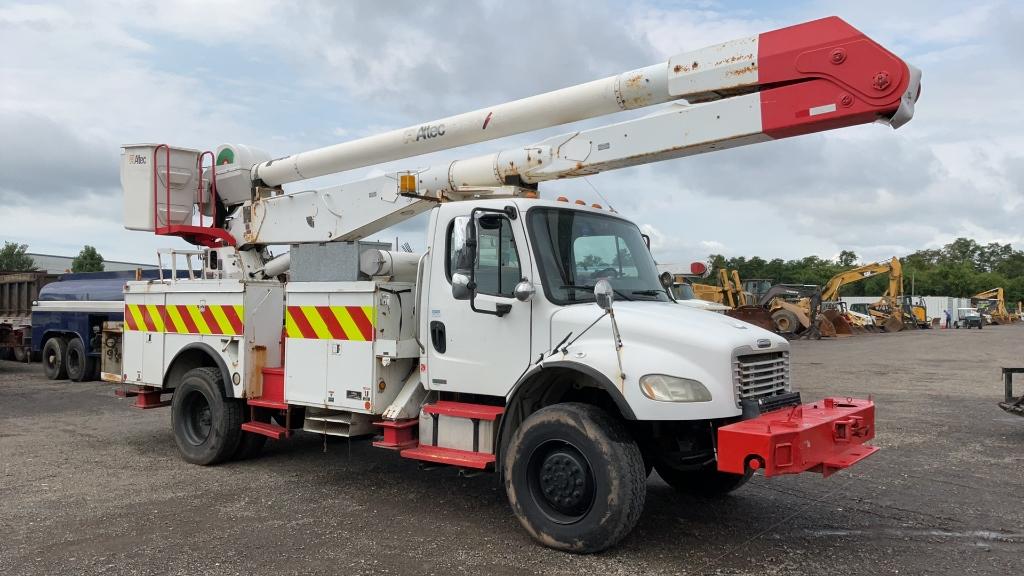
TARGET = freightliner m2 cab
(530,338)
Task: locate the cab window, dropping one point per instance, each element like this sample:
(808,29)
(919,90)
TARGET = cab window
(497,268)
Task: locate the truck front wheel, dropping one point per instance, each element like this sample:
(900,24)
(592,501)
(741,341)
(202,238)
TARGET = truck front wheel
(207,426)
(575,478)
(705,481)
(55,354)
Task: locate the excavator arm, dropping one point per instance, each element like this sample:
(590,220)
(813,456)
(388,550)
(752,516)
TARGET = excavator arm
(892,267)
(998,311)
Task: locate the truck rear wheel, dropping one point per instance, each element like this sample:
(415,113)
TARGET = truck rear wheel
(706,481)
(575,478)
(55,353)
(80,365)
(207,426)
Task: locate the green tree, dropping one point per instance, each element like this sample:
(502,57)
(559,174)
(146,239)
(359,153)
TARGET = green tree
(848,258)
(14,259)
(88,260)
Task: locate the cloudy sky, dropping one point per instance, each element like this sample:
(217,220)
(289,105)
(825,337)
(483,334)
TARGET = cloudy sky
(78,79)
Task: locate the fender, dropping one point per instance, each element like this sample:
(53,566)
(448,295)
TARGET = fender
(600,379)
(597,377)
(211,353)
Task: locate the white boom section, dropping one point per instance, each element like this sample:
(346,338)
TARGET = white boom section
(358,209)
(723,66)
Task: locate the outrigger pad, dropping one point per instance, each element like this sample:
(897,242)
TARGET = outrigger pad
(824,437)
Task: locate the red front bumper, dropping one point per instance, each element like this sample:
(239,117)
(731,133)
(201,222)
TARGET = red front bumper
(824,437)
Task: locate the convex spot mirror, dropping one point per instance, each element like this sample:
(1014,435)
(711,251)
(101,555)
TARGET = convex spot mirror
(460,286)
(524,291)
(604,294)
(666,280)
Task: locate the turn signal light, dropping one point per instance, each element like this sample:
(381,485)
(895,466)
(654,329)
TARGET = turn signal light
(407,183)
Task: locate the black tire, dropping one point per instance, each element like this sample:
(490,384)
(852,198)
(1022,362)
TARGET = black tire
(22,355)
(575,478)
(785,322)
(250,445)
(80,365)
(706,482)
(207,426)
(55,353)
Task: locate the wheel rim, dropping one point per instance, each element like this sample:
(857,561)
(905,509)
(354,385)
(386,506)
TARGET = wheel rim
(51,359)
(198,421)
(74,361)
(561,481)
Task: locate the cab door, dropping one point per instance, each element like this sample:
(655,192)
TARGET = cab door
(482,351)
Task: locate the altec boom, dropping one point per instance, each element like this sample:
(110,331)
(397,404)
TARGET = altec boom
(486,351)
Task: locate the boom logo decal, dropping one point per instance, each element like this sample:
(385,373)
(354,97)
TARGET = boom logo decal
(430,131)
(330,322)
(184,319)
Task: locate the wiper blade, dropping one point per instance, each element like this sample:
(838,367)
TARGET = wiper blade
(648,292)
(591,288)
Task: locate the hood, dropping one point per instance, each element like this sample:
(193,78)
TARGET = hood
(663,338)
(703,305)
(670,323)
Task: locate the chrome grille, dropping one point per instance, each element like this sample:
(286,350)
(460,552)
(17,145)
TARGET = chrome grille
(761,375)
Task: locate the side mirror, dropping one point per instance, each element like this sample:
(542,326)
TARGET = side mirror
(604,294)
(524,291)
(460,287)
(666,279)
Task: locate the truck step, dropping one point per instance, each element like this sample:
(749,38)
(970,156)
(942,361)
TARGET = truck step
(272,431)
(262,402)
(465,410)
(450,456)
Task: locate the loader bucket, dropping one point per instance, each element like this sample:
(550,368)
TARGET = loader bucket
(893,324)
(839,322)
(826,329)
(755,315)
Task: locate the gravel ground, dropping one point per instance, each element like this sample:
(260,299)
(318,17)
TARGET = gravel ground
(89,485)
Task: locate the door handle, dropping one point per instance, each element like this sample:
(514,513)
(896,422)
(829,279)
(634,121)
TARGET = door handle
(437,336)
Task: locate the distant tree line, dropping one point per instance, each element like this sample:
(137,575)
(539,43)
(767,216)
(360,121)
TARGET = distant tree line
(14,258)
(961,268)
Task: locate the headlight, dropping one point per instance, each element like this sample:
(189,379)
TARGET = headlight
(671,389)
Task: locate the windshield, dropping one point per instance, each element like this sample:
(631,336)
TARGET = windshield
(575,249)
